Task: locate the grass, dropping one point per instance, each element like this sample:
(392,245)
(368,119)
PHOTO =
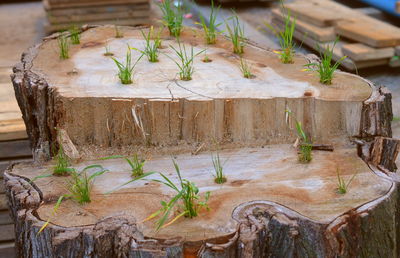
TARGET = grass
(172,16)
(108,51)
(75,35)
(151,48)
(245,68)
(211,29)
(395,119)
(62,163)
(118,32)
(136,166)
(305,154)
(186,193)
(185,63)
(342,185)
(206,59)
(326,67)
(79,187)
(125,71)
(218,169)
(285,38)
(156,37)
(236,34)
(63,45)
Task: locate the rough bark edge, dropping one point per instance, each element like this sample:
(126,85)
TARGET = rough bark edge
(35,100)
(265,229)
(377,115)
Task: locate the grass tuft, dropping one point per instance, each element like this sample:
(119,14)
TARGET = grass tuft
(108,51)
(236,34)
(186,193)
(305,154)
(342,186)
(172,16)
(62,163)
(218,169)
(285,37)
(63,45)
(151,48)
(245,68)
(325,68)
(125,71)
(75,35)
(80,185)
(185,63)
(211,30)
(136,166)
(118,32)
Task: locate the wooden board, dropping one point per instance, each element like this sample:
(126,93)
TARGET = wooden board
(347,22)
(15,149)
(12,130)
(87,3)
(112,16)
(337,51)
(125,22)
(7,250)
(361,52)
(368,33)
(5,218)
(97,9)
(323,34)
(314,13)
(3,202)
(6,232)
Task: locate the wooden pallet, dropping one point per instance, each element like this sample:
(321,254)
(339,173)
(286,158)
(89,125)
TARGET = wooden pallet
(62,15)
(365,40)
(14,147)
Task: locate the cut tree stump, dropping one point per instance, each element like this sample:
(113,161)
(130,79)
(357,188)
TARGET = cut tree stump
(270,206)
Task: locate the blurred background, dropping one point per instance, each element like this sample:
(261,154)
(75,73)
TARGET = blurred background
(369,32)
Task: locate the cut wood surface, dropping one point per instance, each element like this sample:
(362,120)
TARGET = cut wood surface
(271,173)
(93,100)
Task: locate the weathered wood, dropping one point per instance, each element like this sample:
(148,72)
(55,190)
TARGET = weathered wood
(7,250)
(3,202)
(15,149)
(361,52)
(5,218)
(320,34)
(6,232)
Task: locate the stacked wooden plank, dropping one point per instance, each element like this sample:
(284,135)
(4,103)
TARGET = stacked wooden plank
(14,147)
(366,41)
(62,14)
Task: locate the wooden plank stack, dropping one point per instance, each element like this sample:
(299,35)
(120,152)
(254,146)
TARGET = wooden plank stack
(366,41)
(14,147)
(62,14)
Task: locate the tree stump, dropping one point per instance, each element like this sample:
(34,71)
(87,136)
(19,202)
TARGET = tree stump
(270,206)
